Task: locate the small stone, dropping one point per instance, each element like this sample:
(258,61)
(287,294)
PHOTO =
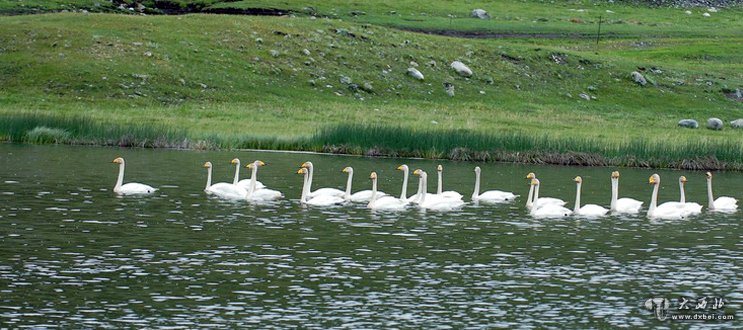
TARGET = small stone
(413,72)
(592,88)
(431,63)
(449,88)
(738,123)
(706,15)
(714,123)
(480,13)
(274,53)
(312,82)
(688,123)
(688,12)
(584,96)
(148,54)
(367,87)
(638,78)
(306,51)
(461,69)
(203,86)
(259,40)
(414,64)
(712,9)
(346,80)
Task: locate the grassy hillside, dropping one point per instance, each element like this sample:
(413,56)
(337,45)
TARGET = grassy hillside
(237,78)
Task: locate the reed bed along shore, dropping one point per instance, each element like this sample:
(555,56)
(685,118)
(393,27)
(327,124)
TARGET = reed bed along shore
(373,140)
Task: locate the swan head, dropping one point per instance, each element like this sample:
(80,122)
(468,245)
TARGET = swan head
(208,165)
(118,160)
(654,179)
(531,175)
(302,171)
(578,179)
(418,172)
(402,167)
(256,163)
(373,175)
(615,175)
(235,161)
(307,165)
(347,169)
(534,182)
(439,168)
(682,179)
(708,175)
(477,169)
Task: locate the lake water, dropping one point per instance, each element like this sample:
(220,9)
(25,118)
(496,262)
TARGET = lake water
(75,255)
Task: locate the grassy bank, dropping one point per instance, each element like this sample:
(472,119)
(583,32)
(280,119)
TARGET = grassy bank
(290,82)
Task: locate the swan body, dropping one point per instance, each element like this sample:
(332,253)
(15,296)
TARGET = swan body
(244,183)
(689,207)
(435,202)
(264,194)
(132,188)
(546,210)
(667,210)
(588,210)
(536,202)
(322,191)
(363,196)
(440,187)
(622,205)
(721,204)
(388,203)
(318,200)
(222,189)
(490,196)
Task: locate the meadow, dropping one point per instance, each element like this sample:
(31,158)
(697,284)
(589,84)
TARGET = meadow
(543,89)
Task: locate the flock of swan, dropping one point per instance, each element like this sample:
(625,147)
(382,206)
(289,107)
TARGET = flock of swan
(538,206)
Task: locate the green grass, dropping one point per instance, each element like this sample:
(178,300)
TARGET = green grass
(214,79)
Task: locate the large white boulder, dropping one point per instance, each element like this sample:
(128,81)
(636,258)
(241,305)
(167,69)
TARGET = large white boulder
(461,69)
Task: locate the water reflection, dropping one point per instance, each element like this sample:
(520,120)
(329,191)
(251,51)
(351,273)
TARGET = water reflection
(75,255)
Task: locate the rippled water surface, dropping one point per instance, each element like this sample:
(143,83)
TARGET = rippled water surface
(73,254)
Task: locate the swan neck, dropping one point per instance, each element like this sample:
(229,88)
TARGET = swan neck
(476,192)
(404,192)
(529,198)
(348,185)
(303,198)
(374,194)
(577,197)
(253,178)
(536,194)
(423,189)
(120,179)
(653,201)
(237,173)
(614,193)
(710,198)
(440,187)
(309,179)
(208,178)
(682,194)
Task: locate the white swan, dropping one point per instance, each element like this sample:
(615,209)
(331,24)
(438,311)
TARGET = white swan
(319,200)
(721,204)
(363,196)
(546,210)
(667,210)
(403,195)
(131,188)
(321,191)
(534,201)
(256,194)
(690,208)
(244,183)
(622,205)
(222,189)
(589,210)
(440,187)
(490,196)
(388,203)
(435,202)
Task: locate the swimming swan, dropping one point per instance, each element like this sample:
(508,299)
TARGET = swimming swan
(549,210)
(440,187)
(319,200)
(244,183)
(363,196)
(263,194)
(691,208)
(589,210)
(667,210)
(384,202)
(721,204)
(490,196)
(435,202)
(222,189)
(321,191)
(535,202)
(622,205)
(131,188)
